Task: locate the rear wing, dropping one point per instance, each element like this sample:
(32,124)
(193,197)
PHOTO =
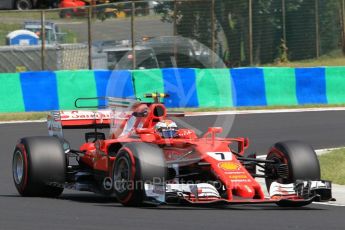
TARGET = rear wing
(117,111)
(82,119)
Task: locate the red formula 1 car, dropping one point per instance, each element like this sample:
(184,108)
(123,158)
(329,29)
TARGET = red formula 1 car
(147,159)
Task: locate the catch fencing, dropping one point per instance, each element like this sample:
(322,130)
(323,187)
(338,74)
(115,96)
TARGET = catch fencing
(239,33)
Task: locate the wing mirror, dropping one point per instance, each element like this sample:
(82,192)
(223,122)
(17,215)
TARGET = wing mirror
(140,114)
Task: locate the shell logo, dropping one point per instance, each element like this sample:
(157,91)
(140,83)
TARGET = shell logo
(229,166)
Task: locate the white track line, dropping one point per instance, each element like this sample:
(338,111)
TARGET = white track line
(233,112)
(323,151)
(19,122)
(238,112)
(330,204)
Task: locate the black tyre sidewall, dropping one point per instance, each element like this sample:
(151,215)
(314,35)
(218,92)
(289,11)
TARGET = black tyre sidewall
(22,186)
(147,165)
(301,159)
(39,169)
(302,164)
(126,195)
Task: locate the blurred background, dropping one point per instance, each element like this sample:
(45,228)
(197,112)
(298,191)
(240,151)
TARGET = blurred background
(171,33)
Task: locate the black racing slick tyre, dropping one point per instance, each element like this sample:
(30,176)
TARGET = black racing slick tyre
(299,162)
(39,167)
(135,165)
(24,4)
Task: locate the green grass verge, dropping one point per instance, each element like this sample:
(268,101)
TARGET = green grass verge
(30,15)
(6,28)
(333,166)
(23,116)
(70,37)
(335,58)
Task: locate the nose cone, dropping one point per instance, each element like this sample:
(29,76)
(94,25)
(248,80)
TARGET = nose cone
(245,191)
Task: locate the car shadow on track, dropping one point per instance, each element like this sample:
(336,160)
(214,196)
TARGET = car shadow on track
(229,208)
(74,197)
(243,207)
(111,202)
(89,198)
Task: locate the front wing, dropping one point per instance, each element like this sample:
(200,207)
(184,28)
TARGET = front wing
(300,193)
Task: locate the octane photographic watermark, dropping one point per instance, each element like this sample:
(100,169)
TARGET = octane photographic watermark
(109,183)
(174,53)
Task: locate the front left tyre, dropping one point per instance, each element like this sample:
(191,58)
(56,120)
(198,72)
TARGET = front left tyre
(39,167)
(135,165)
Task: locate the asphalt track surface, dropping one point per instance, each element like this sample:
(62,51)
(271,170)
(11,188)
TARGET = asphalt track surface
(77,210)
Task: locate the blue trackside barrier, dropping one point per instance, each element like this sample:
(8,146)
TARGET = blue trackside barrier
(191,88)
(248,87)
(181,86)
(311,86)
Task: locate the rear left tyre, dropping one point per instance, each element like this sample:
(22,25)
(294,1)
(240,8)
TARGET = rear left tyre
(39,167)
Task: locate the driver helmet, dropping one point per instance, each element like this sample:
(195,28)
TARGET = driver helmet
(166,128)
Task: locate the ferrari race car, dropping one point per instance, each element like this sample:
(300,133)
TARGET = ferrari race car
(148,160)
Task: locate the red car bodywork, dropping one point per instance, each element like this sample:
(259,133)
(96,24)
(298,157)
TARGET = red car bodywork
(215,153)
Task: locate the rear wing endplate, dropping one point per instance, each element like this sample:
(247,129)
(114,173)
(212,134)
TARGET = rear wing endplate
(77,119)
